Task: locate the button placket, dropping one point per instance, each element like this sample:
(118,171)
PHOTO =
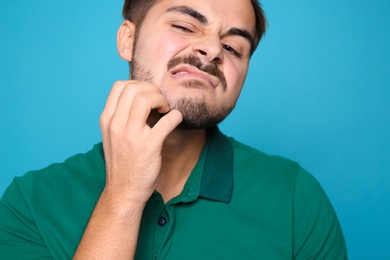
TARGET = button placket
(165,222)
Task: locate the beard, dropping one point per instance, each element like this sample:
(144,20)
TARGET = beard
(197,113)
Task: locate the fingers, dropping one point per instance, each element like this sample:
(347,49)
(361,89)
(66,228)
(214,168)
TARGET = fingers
(126,95)
(123,93)
(129,106)
(141,107)
(167,124)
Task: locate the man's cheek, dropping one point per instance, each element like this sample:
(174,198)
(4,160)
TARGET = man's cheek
(174,45)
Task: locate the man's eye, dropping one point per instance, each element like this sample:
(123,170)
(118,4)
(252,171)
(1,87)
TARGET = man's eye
(230,49)
(181,28)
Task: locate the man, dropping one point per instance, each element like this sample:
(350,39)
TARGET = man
(166,183)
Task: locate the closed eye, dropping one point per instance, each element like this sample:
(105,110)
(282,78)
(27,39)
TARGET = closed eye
(181,28)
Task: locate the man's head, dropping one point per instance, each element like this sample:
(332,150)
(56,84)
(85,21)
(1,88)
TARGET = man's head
(196,52)
(136,10)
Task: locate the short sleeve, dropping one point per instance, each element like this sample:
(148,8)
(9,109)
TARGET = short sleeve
(19,236)
(316,230)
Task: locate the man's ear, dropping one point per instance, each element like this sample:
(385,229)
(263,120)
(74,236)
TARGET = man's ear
(125,40)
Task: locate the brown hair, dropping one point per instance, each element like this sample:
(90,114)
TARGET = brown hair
(136,10)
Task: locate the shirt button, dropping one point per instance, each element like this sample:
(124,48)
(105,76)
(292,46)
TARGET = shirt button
(161,221)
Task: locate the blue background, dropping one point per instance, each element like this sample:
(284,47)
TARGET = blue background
(317,92)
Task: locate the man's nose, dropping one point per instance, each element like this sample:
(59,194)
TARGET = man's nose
(209,49)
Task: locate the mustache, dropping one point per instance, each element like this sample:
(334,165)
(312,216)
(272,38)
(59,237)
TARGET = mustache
(193,60)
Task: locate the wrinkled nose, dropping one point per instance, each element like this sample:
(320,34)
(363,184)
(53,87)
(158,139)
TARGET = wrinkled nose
(209,50)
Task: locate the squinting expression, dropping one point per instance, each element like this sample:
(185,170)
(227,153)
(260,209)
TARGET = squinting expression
(197,53)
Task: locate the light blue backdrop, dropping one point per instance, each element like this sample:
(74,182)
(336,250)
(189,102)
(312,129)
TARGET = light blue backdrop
(317,92)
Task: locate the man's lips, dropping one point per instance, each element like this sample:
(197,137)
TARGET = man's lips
(188,71)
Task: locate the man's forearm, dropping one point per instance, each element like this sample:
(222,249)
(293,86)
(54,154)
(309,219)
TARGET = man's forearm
(113,228)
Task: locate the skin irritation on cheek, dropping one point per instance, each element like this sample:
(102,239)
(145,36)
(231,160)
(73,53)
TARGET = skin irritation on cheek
(175,44)
(168,44)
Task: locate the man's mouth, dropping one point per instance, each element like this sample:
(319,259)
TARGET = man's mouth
(188,71)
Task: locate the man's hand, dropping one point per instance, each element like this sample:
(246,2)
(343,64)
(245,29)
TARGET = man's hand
(132,140)
(132,146)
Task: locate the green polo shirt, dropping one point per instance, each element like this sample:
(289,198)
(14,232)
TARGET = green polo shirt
(237,203)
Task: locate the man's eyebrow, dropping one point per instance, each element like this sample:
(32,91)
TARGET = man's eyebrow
(203,20)
(189,11)
(243,33)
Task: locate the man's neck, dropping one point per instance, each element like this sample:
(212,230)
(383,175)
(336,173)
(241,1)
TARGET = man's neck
(180,154)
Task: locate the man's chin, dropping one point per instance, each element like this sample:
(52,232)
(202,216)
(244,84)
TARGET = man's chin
(197,115)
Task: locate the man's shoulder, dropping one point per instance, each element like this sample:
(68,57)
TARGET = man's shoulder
(54,204)
(250,158)
(79,168)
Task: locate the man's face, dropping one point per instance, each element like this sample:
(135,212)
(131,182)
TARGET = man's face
(197,53)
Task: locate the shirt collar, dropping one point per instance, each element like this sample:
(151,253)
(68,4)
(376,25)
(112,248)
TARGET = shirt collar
(217,176)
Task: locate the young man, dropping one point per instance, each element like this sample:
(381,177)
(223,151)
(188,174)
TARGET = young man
(166,183)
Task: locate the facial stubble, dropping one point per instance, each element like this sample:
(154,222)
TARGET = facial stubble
(197,112)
